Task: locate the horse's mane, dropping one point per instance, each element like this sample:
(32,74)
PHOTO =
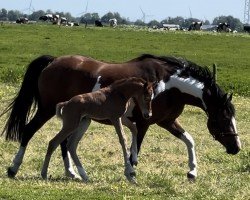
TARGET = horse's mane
(178,62)
(188,68)
(201,73)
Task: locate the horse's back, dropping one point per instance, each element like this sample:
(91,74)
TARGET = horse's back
(67,76)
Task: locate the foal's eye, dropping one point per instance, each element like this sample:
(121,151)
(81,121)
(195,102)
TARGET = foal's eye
(147,98)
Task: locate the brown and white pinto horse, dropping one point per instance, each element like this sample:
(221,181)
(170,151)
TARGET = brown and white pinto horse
(50,80)
(109,103)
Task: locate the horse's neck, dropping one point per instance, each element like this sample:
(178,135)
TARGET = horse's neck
(191,90)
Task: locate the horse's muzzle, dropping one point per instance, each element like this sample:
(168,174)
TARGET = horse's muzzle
(234,150)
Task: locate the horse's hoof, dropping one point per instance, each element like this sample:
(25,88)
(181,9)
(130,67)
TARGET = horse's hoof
(85,180)
(134,163)
(132,174)
(132,179)
(11,173)
(191,177)
(44,176)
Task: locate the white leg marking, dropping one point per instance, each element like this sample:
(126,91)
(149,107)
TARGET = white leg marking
(17,161)
(69,170)
(192,162)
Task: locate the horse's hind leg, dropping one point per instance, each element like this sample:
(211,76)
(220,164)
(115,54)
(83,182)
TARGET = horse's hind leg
(176,129)
(129,170)
(36,123)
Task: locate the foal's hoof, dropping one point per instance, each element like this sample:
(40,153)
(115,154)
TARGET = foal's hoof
(132,178)
(11,173)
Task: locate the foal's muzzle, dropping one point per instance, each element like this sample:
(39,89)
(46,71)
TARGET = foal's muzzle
(147,115)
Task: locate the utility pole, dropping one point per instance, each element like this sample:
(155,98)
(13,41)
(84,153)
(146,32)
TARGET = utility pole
(247,12)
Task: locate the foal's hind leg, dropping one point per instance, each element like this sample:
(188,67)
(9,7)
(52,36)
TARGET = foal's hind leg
(53,144)
(36,123)
(176,129)
(73,143)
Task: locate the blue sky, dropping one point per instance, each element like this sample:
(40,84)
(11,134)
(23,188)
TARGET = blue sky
(154,9)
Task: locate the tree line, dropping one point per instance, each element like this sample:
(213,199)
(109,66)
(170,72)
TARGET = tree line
(90,18)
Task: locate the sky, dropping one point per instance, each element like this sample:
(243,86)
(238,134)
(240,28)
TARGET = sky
(153,9)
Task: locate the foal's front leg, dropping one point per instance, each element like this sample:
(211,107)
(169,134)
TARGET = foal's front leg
(133,149)
(129,170)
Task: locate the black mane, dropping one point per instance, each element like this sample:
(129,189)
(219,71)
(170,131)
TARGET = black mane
(178,62)
(202,74)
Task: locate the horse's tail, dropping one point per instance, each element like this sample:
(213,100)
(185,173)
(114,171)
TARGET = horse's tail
(59,109)
(21,105)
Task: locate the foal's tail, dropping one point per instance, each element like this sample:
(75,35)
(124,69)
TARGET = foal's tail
(21,105)
(59,109)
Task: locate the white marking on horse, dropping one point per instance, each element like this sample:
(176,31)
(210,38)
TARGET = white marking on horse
(187,85)
(192,161)
(97,84)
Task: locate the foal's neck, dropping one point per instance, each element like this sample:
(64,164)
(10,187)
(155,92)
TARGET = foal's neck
(128,90)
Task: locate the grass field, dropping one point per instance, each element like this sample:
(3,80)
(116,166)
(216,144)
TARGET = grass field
(162,168)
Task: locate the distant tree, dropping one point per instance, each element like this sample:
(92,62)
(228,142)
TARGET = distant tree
(189,21)
(90,18)
(35,15)
(3,14)
(14,14)
(107,17)
(154,23)
(235,23)
(139,22)
(206,22)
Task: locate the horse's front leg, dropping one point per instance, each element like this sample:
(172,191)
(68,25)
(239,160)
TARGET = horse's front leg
(129,170)
(176,129)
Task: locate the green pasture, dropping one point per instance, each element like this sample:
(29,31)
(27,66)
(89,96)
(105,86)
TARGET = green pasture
(161,173)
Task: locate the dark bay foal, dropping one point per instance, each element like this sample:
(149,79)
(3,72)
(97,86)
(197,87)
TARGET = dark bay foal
(109,103)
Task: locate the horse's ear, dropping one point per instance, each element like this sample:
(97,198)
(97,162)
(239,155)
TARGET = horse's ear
(230,97)
(227,98)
